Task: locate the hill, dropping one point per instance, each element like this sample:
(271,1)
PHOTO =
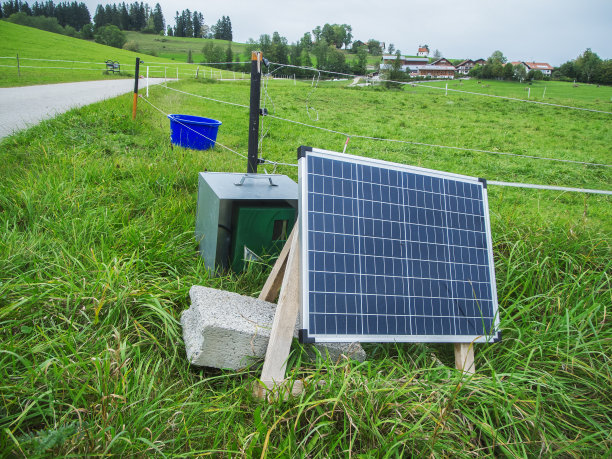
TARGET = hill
(75,59)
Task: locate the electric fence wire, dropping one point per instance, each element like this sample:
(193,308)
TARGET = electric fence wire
(489,182)
(417,83)
(409,142)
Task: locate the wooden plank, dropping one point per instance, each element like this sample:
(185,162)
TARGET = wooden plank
(281,335)
(464,357)
(270,290)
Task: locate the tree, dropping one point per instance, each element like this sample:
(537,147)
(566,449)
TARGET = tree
(159,23)
(198,22)
(568,69)
(348,35)
(520,73)
(508,71)
(99,18)
(498,57)
(391,48)
(535,75)
(374,47)
(169,32)
(605,74)
(395,73)
(437,54)
(87,32)
(587,66)
(110,35)
(360,64)
(306,41)
(317,33)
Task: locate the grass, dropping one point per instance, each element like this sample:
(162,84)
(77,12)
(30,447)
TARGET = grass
(97,257)
(177,47)
(32,44)
(583,95)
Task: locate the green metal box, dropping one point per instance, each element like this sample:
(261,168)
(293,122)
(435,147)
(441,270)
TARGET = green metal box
(220,195)
(259,230)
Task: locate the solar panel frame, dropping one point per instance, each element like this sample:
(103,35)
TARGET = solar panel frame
(307,335)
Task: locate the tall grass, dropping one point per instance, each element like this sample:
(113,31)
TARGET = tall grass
(97,256)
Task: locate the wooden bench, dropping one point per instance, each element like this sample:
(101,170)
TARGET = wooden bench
(113,66)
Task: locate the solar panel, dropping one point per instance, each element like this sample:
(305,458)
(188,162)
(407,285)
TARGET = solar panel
(393,253)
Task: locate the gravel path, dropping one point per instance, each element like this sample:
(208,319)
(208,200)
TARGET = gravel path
(25,106)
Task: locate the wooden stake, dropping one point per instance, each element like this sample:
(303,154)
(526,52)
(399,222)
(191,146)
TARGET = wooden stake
(273,382)
(18,69)
(464,357)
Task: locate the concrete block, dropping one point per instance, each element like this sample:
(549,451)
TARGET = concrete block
(227,330)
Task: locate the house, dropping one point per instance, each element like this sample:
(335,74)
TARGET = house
(442,61)
(420,67)
(479,62)
(389,59)
(464,67)
(437,71)
(423,52)
(543,67)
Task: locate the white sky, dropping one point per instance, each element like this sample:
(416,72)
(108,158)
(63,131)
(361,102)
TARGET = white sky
(552,31)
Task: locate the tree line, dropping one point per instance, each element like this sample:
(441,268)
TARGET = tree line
(135,16)
(189,24)
(72,14)
(586,68)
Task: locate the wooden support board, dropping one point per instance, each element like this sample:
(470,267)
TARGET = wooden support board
(270,290)
(464,357)
(273,383)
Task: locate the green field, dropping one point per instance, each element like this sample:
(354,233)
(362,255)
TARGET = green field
(86,59)
(176,48)
(97,256)
(582,95)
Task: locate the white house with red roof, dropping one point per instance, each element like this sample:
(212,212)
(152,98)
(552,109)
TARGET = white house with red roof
(423,51)
(543,67)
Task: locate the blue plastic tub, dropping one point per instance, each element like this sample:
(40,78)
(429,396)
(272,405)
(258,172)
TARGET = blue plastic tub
(193,132)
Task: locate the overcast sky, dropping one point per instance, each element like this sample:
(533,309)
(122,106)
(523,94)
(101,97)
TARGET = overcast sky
(552,31)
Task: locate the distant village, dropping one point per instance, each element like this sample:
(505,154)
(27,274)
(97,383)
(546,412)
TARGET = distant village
(420,65)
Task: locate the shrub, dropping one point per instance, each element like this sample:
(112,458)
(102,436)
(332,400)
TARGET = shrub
(110,35)
(132,46)
(38,22)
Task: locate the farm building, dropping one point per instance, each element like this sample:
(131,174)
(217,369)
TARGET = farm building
(423,52)
(388,59)
(464,67)
(419,66)
(543,67)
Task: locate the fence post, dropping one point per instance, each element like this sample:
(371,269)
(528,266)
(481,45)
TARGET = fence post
(254,111)
(177,78)
(197,71)
(18,69)
(147,81)
(137,69)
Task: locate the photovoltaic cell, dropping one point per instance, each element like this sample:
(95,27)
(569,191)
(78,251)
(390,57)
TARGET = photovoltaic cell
(393,253)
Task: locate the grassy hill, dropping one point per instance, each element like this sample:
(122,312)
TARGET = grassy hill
(97,256)
(176,48)
(32,43)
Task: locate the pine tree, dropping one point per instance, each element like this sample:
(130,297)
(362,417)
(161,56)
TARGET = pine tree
(158,19)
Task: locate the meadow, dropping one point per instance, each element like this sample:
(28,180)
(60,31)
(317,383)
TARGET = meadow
(85,61)
(98,254)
